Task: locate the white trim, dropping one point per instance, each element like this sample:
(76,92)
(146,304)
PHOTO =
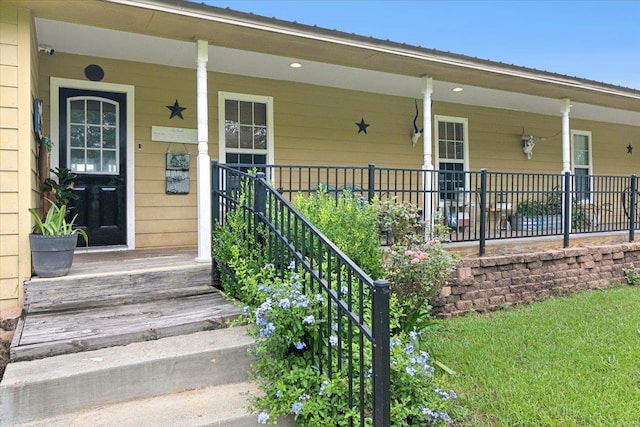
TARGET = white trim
(436,140)
(589,168)
(54,113)
(268,100)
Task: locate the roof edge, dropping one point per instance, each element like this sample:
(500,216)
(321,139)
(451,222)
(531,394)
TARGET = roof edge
(250,20)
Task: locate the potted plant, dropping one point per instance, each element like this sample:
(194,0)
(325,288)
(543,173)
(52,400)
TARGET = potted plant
(543,215)
(53,241)
(526,215)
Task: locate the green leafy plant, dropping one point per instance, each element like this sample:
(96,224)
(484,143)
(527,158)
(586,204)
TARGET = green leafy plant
(285,326)
(62,186)
(530,208)
(236,251)
(400,222)
(349,223)
(417,274)
(55,223)
(632,275)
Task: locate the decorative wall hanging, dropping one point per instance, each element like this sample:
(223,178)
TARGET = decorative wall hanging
(177,172)
(94,72)
(37,118)
(362,126)
(176,110)
(629,149)
(416,133)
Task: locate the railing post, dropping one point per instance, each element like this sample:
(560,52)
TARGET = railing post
(483,210)
(259,203)
(566,209)
(633,207)
(371,187)
(381,355)
(215,215)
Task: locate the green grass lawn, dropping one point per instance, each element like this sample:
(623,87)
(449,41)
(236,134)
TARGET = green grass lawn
(571,361)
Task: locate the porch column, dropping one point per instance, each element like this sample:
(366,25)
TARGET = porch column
(427,165)
(566,135)
(204,161)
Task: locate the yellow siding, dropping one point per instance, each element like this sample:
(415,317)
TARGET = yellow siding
(313,125)
(16,148)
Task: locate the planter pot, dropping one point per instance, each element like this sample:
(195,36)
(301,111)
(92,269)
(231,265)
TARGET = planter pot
(550,223)
(524,223)
(52,256)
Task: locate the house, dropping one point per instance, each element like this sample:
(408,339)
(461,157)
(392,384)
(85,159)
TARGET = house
(139,95)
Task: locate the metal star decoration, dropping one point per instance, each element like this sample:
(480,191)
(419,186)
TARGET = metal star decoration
(629,149)
(176,110)
(362,126)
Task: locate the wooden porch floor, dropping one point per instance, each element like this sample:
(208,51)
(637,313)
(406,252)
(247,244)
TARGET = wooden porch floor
(116,298)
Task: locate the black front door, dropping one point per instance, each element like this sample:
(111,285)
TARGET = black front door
(93,145)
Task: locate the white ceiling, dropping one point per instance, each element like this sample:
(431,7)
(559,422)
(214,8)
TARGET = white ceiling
(100,42)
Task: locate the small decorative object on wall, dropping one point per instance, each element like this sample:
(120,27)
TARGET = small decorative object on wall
(94,72)
(528,142)
(176,110)
(362,126)
(177,172)
(629,149)
(416,133)
(37,118)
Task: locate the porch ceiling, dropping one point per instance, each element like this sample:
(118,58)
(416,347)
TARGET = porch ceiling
(147,29)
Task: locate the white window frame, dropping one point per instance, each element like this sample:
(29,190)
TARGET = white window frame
(268,100)
(465,149)
(85,149)
(589,167)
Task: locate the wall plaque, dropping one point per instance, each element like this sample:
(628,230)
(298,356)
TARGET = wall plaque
(170,134)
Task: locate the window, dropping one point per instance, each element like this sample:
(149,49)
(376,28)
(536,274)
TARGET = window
(581,156)
(92,132)
(246,129)
(452,155)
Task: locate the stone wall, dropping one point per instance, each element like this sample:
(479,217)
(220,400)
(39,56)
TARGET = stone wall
(492,282)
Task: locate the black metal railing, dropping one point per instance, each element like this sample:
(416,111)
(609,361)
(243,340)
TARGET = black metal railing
(480,205)
(355,306)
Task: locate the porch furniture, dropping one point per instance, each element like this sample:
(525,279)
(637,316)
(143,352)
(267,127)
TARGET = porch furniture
(499,216)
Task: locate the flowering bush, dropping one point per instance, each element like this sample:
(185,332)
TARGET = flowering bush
(400,222)
(287,352)
(417,273)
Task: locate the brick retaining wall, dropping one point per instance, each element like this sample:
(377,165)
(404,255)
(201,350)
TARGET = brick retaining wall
(492,282)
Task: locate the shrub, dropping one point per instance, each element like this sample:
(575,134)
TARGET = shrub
(240,257)
(400,222)
(285,326)
(417,274)
(349,223)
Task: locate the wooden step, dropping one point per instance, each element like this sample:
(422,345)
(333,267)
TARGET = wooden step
(52,333)
(102,289)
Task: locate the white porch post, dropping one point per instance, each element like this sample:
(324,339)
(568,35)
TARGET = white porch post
(566,138)
(204,161)
(566,148)
(427,144)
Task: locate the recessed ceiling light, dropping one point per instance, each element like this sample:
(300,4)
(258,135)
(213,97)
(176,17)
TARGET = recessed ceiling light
(295,65)
(457,89)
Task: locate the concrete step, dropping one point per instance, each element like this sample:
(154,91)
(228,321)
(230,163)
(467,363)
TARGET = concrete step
(44,388)
(223,405)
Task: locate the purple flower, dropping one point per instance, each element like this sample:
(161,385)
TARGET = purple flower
(300,345)
(268,329)
(285,303)
(263,417)
(309,319)
(333,340)
(296,408)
